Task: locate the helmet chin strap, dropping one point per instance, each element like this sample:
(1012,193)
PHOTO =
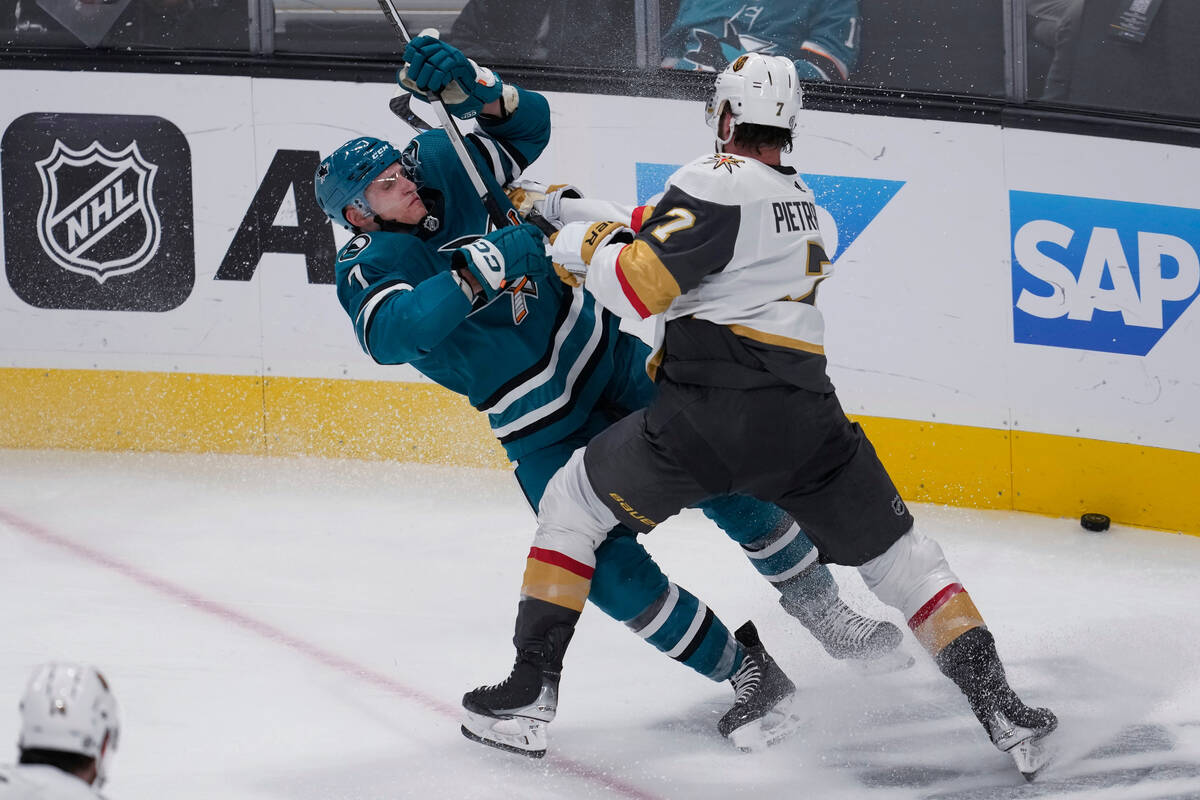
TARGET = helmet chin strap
(392,226)
(428,224)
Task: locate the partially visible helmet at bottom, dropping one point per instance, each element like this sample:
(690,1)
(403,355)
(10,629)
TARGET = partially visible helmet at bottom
(757,89)
(69,708)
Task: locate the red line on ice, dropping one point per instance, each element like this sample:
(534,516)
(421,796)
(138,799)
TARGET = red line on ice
(268,631)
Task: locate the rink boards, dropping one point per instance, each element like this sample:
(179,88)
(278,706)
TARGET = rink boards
(1012,315)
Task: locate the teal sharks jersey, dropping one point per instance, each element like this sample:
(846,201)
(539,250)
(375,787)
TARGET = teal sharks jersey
(821,36)
(538,358)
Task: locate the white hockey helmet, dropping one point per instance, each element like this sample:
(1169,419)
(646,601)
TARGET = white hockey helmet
(758,89)
(69,707)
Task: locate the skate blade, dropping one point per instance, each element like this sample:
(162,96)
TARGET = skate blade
(894,660)
(1032,756)
(514,735)
(1028,749)
(778,724)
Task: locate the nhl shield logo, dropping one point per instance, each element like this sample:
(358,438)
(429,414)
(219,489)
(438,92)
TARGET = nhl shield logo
(97,215)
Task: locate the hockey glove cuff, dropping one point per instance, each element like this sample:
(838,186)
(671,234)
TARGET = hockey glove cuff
(551,207)
(576,243)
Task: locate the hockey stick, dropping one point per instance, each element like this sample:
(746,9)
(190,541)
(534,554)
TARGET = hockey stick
(401,106)
(495,213)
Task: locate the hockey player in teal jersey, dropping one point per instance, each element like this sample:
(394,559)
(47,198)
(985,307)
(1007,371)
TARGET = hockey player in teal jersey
(425,283)
(820,36)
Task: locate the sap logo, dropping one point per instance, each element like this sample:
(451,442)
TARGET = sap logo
(845,206)
(1100,274)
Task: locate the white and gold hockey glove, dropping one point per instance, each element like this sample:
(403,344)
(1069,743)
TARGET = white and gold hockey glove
(531,198)
(576,244)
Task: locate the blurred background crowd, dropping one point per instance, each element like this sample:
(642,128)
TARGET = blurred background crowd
(1138,56)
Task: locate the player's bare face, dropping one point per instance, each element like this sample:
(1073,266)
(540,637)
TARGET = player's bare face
(393,196)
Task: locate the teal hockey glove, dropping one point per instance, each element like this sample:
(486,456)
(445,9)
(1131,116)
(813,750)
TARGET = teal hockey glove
(433,68)
(502,258)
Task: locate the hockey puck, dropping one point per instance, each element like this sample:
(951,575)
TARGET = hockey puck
(1094,522)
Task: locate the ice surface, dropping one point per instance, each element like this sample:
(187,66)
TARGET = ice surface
(305,628)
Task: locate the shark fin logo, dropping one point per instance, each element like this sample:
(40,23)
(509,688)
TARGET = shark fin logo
(708,51)
(97,215)
(845,206)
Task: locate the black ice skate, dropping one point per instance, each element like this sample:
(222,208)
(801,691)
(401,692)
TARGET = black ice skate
(1018,730)
(512,715)
(972,663)
(847,635)
(762,712)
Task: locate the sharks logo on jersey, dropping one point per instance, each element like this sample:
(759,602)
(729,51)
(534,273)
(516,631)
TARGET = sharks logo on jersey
(709,52)
(820,36)
(354,247)
(518,292)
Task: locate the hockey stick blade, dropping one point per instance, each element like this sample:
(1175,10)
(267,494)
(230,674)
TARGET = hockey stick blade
(401,106)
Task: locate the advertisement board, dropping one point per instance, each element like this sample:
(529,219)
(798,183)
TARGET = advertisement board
(1012,313)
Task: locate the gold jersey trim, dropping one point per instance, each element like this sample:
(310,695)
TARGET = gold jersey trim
(777,340)
(644,273)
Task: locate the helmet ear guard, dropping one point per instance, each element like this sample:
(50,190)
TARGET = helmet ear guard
(758,90)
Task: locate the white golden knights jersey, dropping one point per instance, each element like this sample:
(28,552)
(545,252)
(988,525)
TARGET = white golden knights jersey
(733,243)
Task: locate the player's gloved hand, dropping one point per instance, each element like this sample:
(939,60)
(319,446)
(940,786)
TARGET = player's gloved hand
(523,194)
(551,205)
(577,242)
(572,276)
(541,204)
(503,257)
(531,197)
(433,68)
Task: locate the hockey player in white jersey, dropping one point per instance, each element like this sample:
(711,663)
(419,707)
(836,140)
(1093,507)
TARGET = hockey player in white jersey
(69,732)
(729,261)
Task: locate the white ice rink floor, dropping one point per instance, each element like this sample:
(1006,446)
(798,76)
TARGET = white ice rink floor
(305,629)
